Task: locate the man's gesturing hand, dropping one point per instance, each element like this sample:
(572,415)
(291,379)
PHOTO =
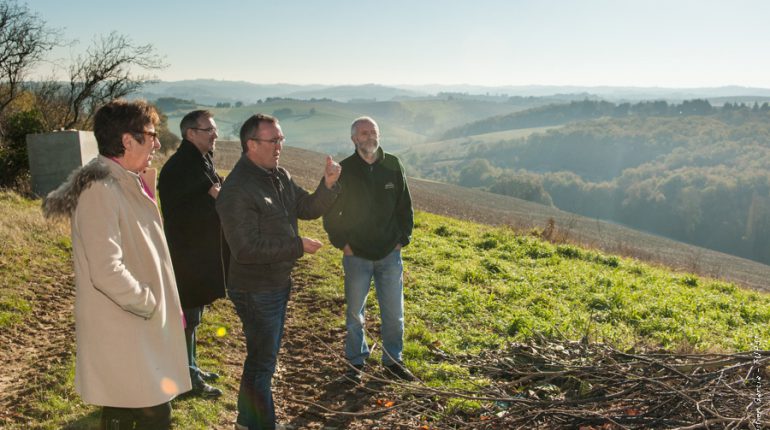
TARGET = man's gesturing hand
(332,172)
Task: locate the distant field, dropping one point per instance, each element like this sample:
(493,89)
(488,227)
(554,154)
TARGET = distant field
(325,125)
(326,129)
(458,147)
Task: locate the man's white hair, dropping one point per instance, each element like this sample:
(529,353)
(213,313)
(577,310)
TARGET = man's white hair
(359,120)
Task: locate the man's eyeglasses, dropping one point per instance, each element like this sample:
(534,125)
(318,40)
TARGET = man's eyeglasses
(209,130)
(276,141)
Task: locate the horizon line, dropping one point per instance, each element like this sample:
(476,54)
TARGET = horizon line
(645,87)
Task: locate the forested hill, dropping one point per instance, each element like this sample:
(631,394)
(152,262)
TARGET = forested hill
(556,114)
(702,178)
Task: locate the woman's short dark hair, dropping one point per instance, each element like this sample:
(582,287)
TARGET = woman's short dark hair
(118,117)
(251,126)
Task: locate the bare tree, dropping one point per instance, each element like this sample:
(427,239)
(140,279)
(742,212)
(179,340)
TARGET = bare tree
(24,41)
(104,73)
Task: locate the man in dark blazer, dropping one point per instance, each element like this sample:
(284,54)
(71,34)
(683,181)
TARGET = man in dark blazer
(188,187)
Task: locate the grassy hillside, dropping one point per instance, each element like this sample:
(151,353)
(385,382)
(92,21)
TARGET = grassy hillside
(550,115)
(470,290)
(32,253)
(498,285)
(434,159)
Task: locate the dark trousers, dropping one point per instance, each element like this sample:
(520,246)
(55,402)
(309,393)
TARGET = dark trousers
(152,418)
(192,317)
(262,315)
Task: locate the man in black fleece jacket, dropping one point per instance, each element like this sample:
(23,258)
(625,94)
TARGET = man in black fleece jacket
(370,222)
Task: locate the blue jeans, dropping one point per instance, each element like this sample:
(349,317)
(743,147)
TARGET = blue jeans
(192,318)
(389,286)
(262,315)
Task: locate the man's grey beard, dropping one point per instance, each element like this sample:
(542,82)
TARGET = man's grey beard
(365,148)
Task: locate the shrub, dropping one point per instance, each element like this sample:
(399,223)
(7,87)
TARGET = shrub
(568,251)
(536,252)
(442,231)
(690,281)
(520,324)
(14,164)
(487,243)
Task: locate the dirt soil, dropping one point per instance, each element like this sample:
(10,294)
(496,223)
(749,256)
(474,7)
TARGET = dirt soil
(310,389)
(31,349)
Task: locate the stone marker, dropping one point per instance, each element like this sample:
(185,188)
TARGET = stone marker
(53,156)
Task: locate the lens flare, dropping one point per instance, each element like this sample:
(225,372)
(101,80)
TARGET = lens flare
(168,386)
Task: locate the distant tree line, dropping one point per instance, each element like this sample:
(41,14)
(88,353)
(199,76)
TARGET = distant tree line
(289,99)
(237,104)
(557,114)
(170,104)
(694,173)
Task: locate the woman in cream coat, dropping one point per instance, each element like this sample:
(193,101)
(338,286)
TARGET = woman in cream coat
(131,353)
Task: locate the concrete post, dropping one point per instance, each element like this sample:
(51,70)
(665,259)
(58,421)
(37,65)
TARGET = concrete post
(53,156)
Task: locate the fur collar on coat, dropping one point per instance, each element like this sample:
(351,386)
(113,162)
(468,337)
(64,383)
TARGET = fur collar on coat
(61,202)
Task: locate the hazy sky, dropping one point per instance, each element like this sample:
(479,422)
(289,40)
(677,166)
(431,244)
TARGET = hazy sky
(667,43)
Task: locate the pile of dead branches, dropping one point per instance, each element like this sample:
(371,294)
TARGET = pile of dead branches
(563,384)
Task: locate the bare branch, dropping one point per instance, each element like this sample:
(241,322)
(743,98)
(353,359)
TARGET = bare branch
(561,384)
(105,73)
(24,41)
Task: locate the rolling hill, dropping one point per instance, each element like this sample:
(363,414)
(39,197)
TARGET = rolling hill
(212,91)
(324,125)
(655,166)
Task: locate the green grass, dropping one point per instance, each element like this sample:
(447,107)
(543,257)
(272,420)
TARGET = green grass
(56,405)
(472,288)
(31,252)
(468,288)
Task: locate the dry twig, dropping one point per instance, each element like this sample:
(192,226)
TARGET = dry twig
(564,384)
